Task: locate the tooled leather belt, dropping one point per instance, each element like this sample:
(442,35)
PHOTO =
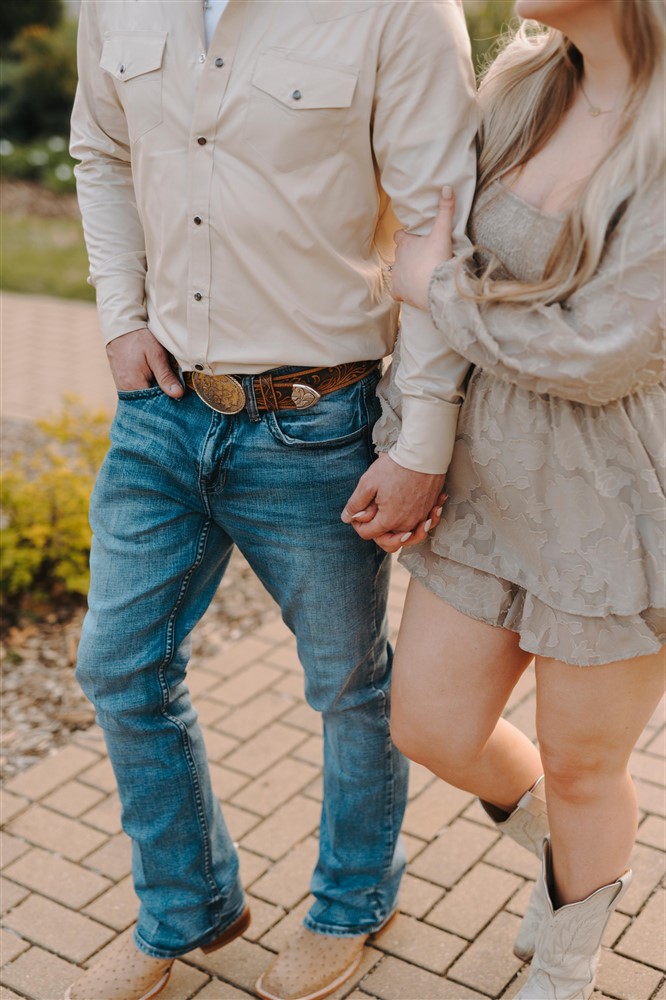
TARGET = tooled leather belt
(290,391)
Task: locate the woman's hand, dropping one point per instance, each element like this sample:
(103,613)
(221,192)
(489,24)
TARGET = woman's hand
(417,257)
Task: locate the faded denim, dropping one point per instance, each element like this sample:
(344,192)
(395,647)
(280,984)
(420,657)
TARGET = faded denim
(179,487)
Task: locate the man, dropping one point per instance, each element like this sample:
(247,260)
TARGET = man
(240,170)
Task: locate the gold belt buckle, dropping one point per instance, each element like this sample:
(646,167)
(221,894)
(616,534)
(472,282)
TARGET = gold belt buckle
(223,393)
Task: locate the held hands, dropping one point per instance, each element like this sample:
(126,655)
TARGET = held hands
(417,256)
(137,360)
(394,506)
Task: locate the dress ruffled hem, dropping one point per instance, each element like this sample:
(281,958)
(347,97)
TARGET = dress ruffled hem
(543,630)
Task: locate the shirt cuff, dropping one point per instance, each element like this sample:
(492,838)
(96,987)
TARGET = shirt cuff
(427,436)
(120,305)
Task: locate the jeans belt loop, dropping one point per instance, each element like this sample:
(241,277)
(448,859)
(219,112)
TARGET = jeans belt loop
(250,399)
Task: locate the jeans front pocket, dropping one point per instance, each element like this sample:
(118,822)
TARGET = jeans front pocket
(131,395)
(337,419)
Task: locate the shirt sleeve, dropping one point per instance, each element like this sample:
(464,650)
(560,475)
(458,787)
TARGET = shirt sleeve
(604,343)
(111,224)
(424,130)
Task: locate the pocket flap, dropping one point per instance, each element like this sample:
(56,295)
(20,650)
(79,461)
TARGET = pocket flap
(300,84)
(126,55)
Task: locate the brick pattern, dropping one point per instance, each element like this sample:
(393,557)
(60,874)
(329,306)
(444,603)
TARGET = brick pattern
(67,890)
(66,886)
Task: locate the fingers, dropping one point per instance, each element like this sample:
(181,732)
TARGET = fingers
(423,529)
(389,542)
(362,516)
(443,225)
(436,512)
(361,506)
(166,378)
(393,541)
(447,199)
(137,358)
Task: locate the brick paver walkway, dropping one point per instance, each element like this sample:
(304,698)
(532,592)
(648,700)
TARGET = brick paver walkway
(66,888)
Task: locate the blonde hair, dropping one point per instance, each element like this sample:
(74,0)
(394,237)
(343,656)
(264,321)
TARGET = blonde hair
(523,97)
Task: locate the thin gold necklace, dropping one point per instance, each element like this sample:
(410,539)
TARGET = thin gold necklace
(594,109)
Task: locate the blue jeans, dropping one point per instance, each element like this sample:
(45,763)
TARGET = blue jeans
(180,486)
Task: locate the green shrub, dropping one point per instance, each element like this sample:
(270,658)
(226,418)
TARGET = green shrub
(15,15)
(45,496)
(46,162)
(38,82)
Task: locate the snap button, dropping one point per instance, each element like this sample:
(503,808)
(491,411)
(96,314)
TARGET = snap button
(199,368)
(198,296)
(197,220)
(202,140)
(296,96)
(219,62)
(122,68)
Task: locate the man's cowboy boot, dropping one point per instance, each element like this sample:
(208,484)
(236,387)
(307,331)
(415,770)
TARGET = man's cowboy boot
(314,965)
(568,943)
(528,826)
(125,973)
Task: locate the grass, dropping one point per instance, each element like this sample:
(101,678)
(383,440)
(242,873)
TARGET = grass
(44,256)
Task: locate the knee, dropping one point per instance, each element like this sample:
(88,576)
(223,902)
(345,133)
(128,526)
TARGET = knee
(124,685)
(578,772)
(407,735)
(423,740)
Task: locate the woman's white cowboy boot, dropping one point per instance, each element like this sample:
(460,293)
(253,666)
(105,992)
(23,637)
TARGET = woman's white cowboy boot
(568,942)
(528,826)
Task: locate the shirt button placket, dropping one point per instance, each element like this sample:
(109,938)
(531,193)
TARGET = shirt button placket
(201,169)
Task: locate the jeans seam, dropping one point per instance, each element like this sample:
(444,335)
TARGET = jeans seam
(217,898)
(370,418)
(390,784)
(390,796)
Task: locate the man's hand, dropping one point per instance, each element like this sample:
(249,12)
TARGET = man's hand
(394,506)
(137,359)
(416,257)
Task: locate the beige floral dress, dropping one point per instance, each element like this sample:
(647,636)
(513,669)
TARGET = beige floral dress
(554,526)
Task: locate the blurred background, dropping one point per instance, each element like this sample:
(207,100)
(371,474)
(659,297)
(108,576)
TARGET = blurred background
(43,251)
(52,442)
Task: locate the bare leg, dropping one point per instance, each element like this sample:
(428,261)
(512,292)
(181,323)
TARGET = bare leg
(588,721)
(452,677)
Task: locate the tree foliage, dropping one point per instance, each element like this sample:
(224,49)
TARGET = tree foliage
(15,15)
(39,82)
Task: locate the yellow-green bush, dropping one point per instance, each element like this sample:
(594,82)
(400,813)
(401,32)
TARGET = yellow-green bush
(45,495)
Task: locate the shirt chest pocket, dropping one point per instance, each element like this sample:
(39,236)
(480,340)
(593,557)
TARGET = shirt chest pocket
(134,60)
(298,108)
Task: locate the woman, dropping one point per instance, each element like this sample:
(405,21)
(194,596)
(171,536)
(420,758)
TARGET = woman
(551,543)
